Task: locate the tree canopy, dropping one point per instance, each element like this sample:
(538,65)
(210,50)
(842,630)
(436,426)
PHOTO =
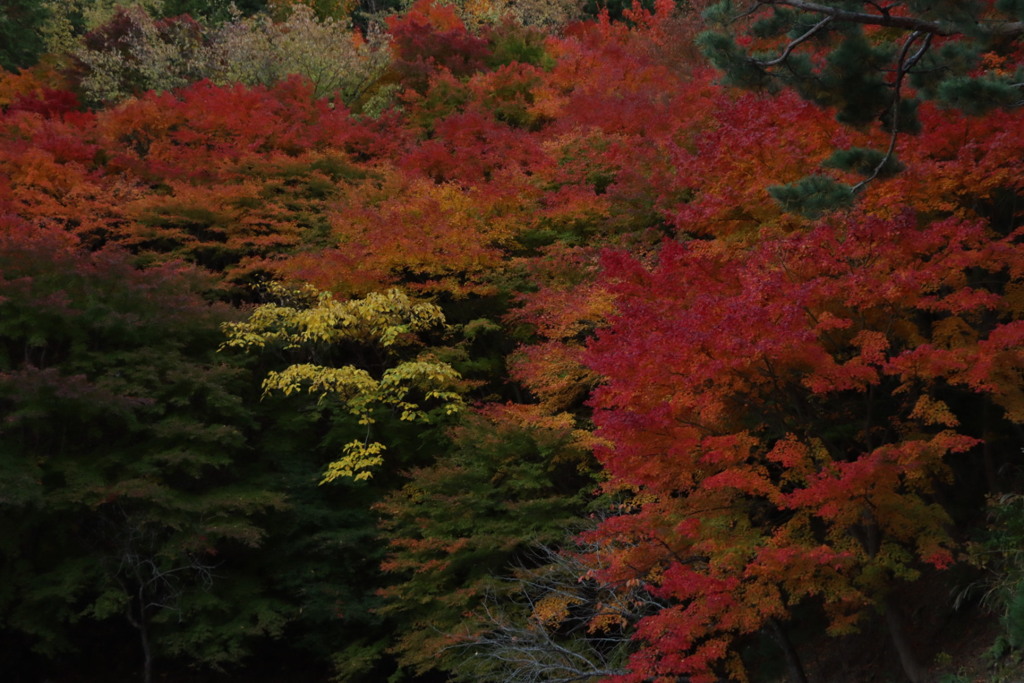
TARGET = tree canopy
(510,341)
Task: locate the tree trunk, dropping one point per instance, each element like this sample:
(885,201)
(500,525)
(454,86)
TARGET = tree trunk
(915,672)
(147,662)
(793,664)
(147,652)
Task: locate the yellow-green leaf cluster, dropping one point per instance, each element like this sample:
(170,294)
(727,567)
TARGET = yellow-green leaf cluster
(308,320)
(385,319)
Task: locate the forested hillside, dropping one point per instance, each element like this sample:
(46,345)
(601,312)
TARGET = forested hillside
(511,340)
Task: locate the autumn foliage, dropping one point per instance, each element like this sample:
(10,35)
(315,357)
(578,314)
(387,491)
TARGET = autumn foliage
(797,419)
(745,361)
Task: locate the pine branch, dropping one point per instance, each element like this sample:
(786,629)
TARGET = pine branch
(1001,28)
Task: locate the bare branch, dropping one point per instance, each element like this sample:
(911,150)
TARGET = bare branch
(904,65)
(586,643)
(797,41)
